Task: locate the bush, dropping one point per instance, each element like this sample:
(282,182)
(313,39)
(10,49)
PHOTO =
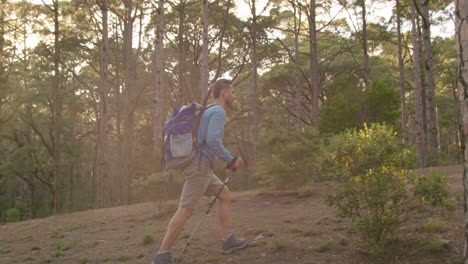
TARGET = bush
(432,189)
(376,186)
(355,152)
(324,246)
(304,191)
(277,244)
(148,239)
(291,158)
(160,186)
(434,226)
(12,215)
(435,245)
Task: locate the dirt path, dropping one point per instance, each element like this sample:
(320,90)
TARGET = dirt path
(282,228)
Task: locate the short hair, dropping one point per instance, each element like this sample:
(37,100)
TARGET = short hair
(219,85)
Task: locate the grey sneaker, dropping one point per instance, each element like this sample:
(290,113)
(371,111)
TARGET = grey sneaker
(162,258)
(232,243)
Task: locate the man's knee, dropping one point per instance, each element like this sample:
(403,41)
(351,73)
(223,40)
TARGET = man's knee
(225,195)
(185,213)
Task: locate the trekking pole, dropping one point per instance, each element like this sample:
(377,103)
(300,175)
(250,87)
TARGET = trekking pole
(179,258)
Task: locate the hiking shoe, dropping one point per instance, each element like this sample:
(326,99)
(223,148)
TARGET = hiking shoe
(232,243)
(162,258)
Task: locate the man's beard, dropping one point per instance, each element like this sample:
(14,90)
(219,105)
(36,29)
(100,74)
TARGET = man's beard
(229,103)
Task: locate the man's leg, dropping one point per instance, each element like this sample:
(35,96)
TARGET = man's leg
(229,241)
(197,178)
(174,227)
(224,215)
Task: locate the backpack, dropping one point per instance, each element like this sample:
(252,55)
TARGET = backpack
(180,136)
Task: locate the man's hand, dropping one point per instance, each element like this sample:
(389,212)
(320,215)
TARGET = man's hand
(239,163)
(236,163)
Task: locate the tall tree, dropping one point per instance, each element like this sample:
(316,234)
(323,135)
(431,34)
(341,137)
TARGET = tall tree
(117,111)
(429,85)
(418,92)
(2,39)
(221,40)
(128,100)
(104,88)
(158,117)
(296,102)
(254,87)
(461,35)
(56,108)
(314,65)
(204,59)
(364,41)
(404,114)
(182,93)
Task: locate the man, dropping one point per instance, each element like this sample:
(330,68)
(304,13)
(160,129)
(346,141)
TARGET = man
(199,177)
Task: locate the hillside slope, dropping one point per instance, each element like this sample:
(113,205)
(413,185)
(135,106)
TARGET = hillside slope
(282,229)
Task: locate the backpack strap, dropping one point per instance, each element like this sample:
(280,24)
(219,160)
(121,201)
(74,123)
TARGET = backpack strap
(163,150)
(197,124)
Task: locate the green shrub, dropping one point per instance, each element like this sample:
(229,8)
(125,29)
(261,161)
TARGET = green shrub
(278,244)
(148,239)
(4,250)
(35,247)
(123,258)
(434,226)
(12,215)
(290,158)
(435,245)
(372,168)
(58,253)
(295,229)
(355,152)
(338,113)
(432,188)
(159,186)
(324,246)
(304,191)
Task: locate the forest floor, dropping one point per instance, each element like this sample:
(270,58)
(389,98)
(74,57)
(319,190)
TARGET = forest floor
(281,227)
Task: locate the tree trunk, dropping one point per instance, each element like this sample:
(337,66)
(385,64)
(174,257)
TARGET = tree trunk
(128,108)
(461,36)
(57,111)
(117,113)
(418,94)
(159,115)
(71,194)
(204,59)
(32,188)
(103,149)
(297,84)
(365,59)
(221,39)
(431,121)
(28,131)
(254,92)
(314,66)
(181,94)
(2,39)
(459,140)
(404,114)
(421,72)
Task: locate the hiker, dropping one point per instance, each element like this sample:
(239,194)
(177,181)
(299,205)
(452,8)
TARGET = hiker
(200,179)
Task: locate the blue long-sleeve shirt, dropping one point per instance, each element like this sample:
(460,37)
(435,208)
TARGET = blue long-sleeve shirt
(210,135)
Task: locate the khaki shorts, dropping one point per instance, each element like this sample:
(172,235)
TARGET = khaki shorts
(199,180)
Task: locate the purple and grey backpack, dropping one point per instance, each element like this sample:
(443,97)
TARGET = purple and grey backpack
(180,136)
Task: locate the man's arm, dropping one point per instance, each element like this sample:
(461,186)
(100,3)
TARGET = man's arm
(214,136)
